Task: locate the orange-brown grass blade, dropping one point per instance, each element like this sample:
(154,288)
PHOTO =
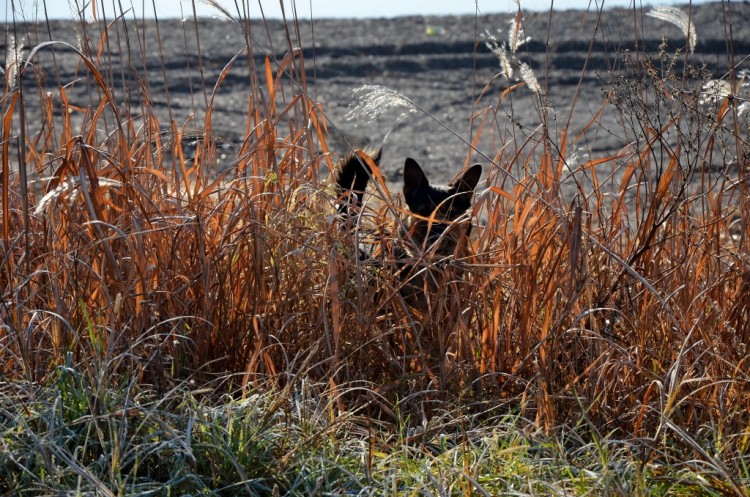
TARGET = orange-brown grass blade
(511,89)
(95,72)
(562,151)
(502,193)
(335,288)
(7,127)
(376,174)
(321,131)
(270,86)
(477,135)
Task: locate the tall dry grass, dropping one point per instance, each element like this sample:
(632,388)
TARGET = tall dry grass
(626,307)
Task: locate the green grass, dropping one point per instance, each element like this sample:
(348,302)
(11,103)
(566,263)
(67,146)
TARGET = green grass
(70,438)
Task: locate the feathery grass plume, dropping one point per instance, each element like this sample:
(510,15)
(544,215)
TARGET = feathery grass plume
(506,54)
(715,91)
(577,157)
(675,16)
(527,75)
(516,35)
(742,79)
(374,100)
(13,60)
(500,49)
(70,185)
(742,90)
(225,14)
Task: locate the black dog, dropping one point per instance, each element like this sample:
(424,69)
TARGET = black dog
(436,208)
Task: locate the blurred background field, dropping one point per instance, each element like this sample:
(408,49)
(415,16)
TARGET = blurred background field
(440,63)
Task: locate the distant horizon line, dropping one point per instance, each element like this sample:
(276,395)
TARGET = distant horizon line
(204,11)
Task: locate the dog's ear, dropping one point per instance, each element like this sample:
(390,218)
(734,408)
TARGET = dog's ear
(414,177)
(375,155)
(468,181)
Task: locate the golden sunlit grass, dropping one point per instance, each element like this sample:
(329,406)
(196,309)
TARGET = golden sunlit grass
(155,308)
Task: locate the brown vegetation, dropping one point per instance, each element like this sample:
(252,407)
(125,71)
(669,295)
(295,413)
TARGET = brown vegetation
(628,306)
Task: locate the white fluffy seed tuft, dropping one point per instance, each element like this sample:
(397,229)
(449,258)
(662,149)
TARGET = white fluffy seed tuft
(678,18)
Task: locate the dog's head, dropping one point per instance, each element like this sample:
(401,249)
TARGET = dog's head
(440,203)
(446,202)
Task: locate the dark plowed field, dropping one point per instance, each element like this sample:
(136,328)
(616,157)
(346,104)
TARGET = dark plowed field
(440,63)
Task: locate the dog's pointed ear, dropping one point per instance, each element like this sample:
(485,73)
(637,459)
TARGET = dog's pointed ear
(375,155)
(469,180)
(414,177)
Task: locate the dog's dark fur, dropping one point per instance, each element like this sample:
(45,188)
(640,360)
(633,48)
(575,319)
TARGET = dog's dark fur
(438,205)
(435,208)
(351,176)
